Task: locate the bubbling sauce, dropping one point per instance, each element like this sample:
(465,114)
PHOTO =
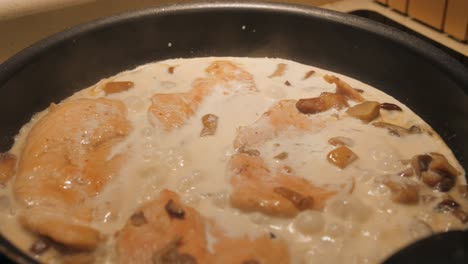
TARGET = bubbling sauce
(347,174)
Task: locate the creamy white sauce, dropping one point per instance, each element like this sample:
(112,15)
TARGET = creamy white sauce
(364,227)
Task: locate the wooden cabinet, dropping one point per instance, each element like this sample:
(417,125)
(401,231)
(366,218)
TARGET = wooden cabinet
(456,19)
(399,5)
(430,12)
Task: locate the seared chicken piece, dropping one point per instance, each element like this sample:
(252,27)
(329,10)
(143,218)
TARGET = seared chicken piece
(172,110)
(165,230)
(65,163)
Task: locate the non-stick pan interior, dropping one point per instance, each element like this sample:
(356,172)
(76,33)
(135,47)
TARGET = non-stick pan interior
(427,80)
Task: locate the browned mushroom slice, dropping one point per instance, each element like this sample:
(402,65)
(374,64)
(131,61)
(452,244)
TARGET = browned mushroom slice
(359,90)
(396,130)
(210,124)
(343,141)
(447,205)
(403,193)
(117,87)
(438,180)
(390,107)
(344,88)
(450,205)
(366,111)
(280,69)
(341,157)
(308,74)
(7,167)
(420,163)
(435,171)
(281,156)
(440,163)
(322,103)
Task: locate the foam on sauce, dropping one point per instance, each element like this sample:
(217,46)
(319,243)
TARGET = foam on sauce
(362,227)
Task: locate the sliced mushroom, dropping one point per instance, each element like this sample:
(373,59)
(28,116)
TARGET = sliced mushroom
(414,130)
(281,156)
(403,193)
(359,90)
(344,88)
(435,171)
(447,205)
(450,205)
(174,210)
(390,107)
(117,87)
(300,201)
(341,157)
(446,184)
(308,74)
(7,167)
(365,111)
(210,124)
(322,103)
(396,130)
(438,180)
(420,163)
(341,141)
(440,163)
(280,69)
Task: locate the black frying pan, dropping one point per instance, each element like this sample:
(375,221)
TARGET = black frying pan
(434,85)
